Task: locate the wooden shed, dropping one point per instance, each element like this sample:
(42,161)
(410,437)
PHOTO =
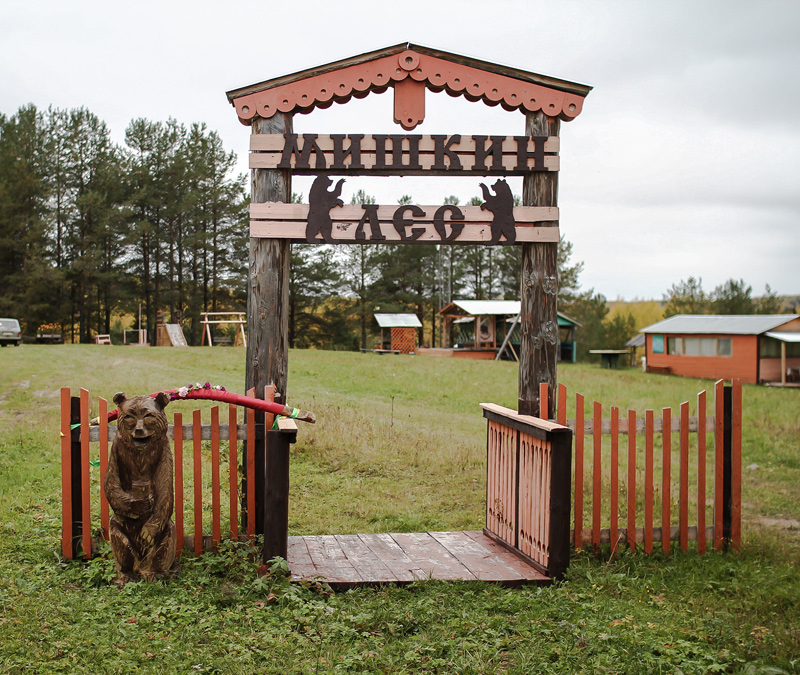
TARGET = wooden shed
(756,348)
(488,329)
(398,332)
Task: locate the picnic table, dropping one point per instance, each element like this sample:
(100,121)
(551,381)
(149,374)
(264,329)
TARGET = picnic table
(609,358)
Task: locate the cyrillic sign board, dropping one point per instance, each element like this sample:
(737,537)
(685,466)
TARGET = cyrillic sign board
(409,154)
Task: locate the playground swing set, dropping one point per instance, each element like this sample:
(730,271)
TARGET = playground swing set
(533,514)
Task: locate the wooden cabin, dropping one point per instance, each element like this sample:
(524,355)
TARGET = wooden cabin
(758,348)
(488,329)
(398,332)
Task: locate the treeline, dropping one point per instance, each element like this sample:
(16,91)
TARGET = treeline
(89,229)
(735,296)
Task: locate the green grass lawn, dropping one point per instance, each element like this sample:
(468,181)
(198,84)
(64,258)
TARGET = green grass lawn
(399,445)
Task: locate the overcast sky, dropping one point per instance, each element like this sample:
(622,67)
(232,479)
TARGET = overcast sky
(684,161)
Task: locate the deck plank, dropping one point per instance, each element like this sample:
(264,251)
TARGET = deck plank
(358,559)
(369,565)
(431,557)
(387,549)
(475,557)
(330,561)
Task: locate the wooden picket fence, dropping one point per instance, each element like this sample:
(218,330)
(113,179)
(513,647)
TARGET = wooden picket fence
(85,509)
(645,496)
(529,479)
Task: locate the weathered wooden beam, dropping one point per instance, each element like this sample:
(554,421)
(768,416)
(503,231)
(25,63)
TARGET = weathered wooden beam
(539,286)
(268,282)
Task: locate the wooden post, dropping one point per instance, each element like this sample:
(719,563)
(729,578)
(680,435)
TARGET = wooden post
(560,469)
(275,510)
(268,285)
(539,285)
(267,304)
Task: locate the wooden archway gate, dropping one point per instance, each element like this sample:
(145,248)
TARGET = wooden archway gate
(276,152)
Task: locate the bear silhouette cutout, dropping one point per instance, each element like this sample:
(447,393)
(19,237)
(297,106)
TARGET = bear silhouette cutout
(139,487)
(321,201)
(501,205)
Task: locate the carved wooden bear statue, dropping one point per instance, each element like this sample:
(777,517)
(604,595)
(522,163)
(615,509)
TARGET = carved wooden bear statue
(139,488)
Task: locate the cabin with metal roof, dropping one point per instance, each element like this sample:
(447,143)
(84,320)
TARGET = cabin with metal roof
(490,329)
(758,348)
(398,332)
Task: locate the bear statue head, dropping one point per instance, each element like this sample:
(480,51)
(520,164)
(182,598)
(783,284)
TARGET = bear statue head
(141,418)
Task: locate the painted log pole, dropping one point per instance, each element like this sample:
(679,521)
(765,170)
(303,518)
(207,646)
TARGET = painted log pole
(267,299)
(539,286)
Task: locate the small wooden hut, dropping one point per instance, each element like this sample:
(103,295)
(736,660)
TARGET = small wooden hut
(398,332)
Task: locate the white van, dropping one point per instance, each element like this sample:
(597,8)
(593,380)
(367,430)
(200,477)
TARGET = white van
(10,332)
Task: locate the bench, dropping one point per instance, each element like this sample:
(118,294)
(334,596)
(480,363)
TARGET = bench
(660,370)
(101,340)
(222,340)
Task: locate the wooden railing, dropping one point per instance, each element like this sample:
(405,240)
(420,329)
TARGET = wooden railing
(258,510)
(528,487)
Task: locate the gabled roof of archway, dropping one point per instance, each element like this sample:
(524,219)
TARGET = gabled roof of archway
(410,69)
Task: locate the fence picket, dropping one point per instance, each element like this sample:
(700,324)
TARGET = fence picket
(683,493)
(648,481)
(216,534)
(666,466)
(736,465)
(597,473)
(233,463)
(579,433)
(178,445)
(632,480)
(701,472)
(197,445)
(544,399)
(562,405)
(251,471)
(102,413)
(614,477)
(86,501)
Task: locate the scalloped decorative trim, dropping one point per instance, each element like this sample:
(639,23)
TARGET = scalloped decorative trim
(320,91)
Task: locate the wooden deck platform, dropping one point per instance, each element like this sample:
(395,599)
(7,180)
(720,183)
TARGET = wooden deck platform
(345,560)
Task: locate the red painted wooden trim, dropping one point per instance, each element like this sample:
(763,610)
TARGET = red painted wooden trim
(736,466)
(198,484)
(216,534)
(544,394)
(719,459)
(233,468)
(597,474)
(251,473)
(666,469)
(579,432)
(102,413)
(683,499)
(178,444)
(86,515)
(632,479)
(614,477)
(701,472)
(375,75)
(562,405)
(66,478)
(648,481)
